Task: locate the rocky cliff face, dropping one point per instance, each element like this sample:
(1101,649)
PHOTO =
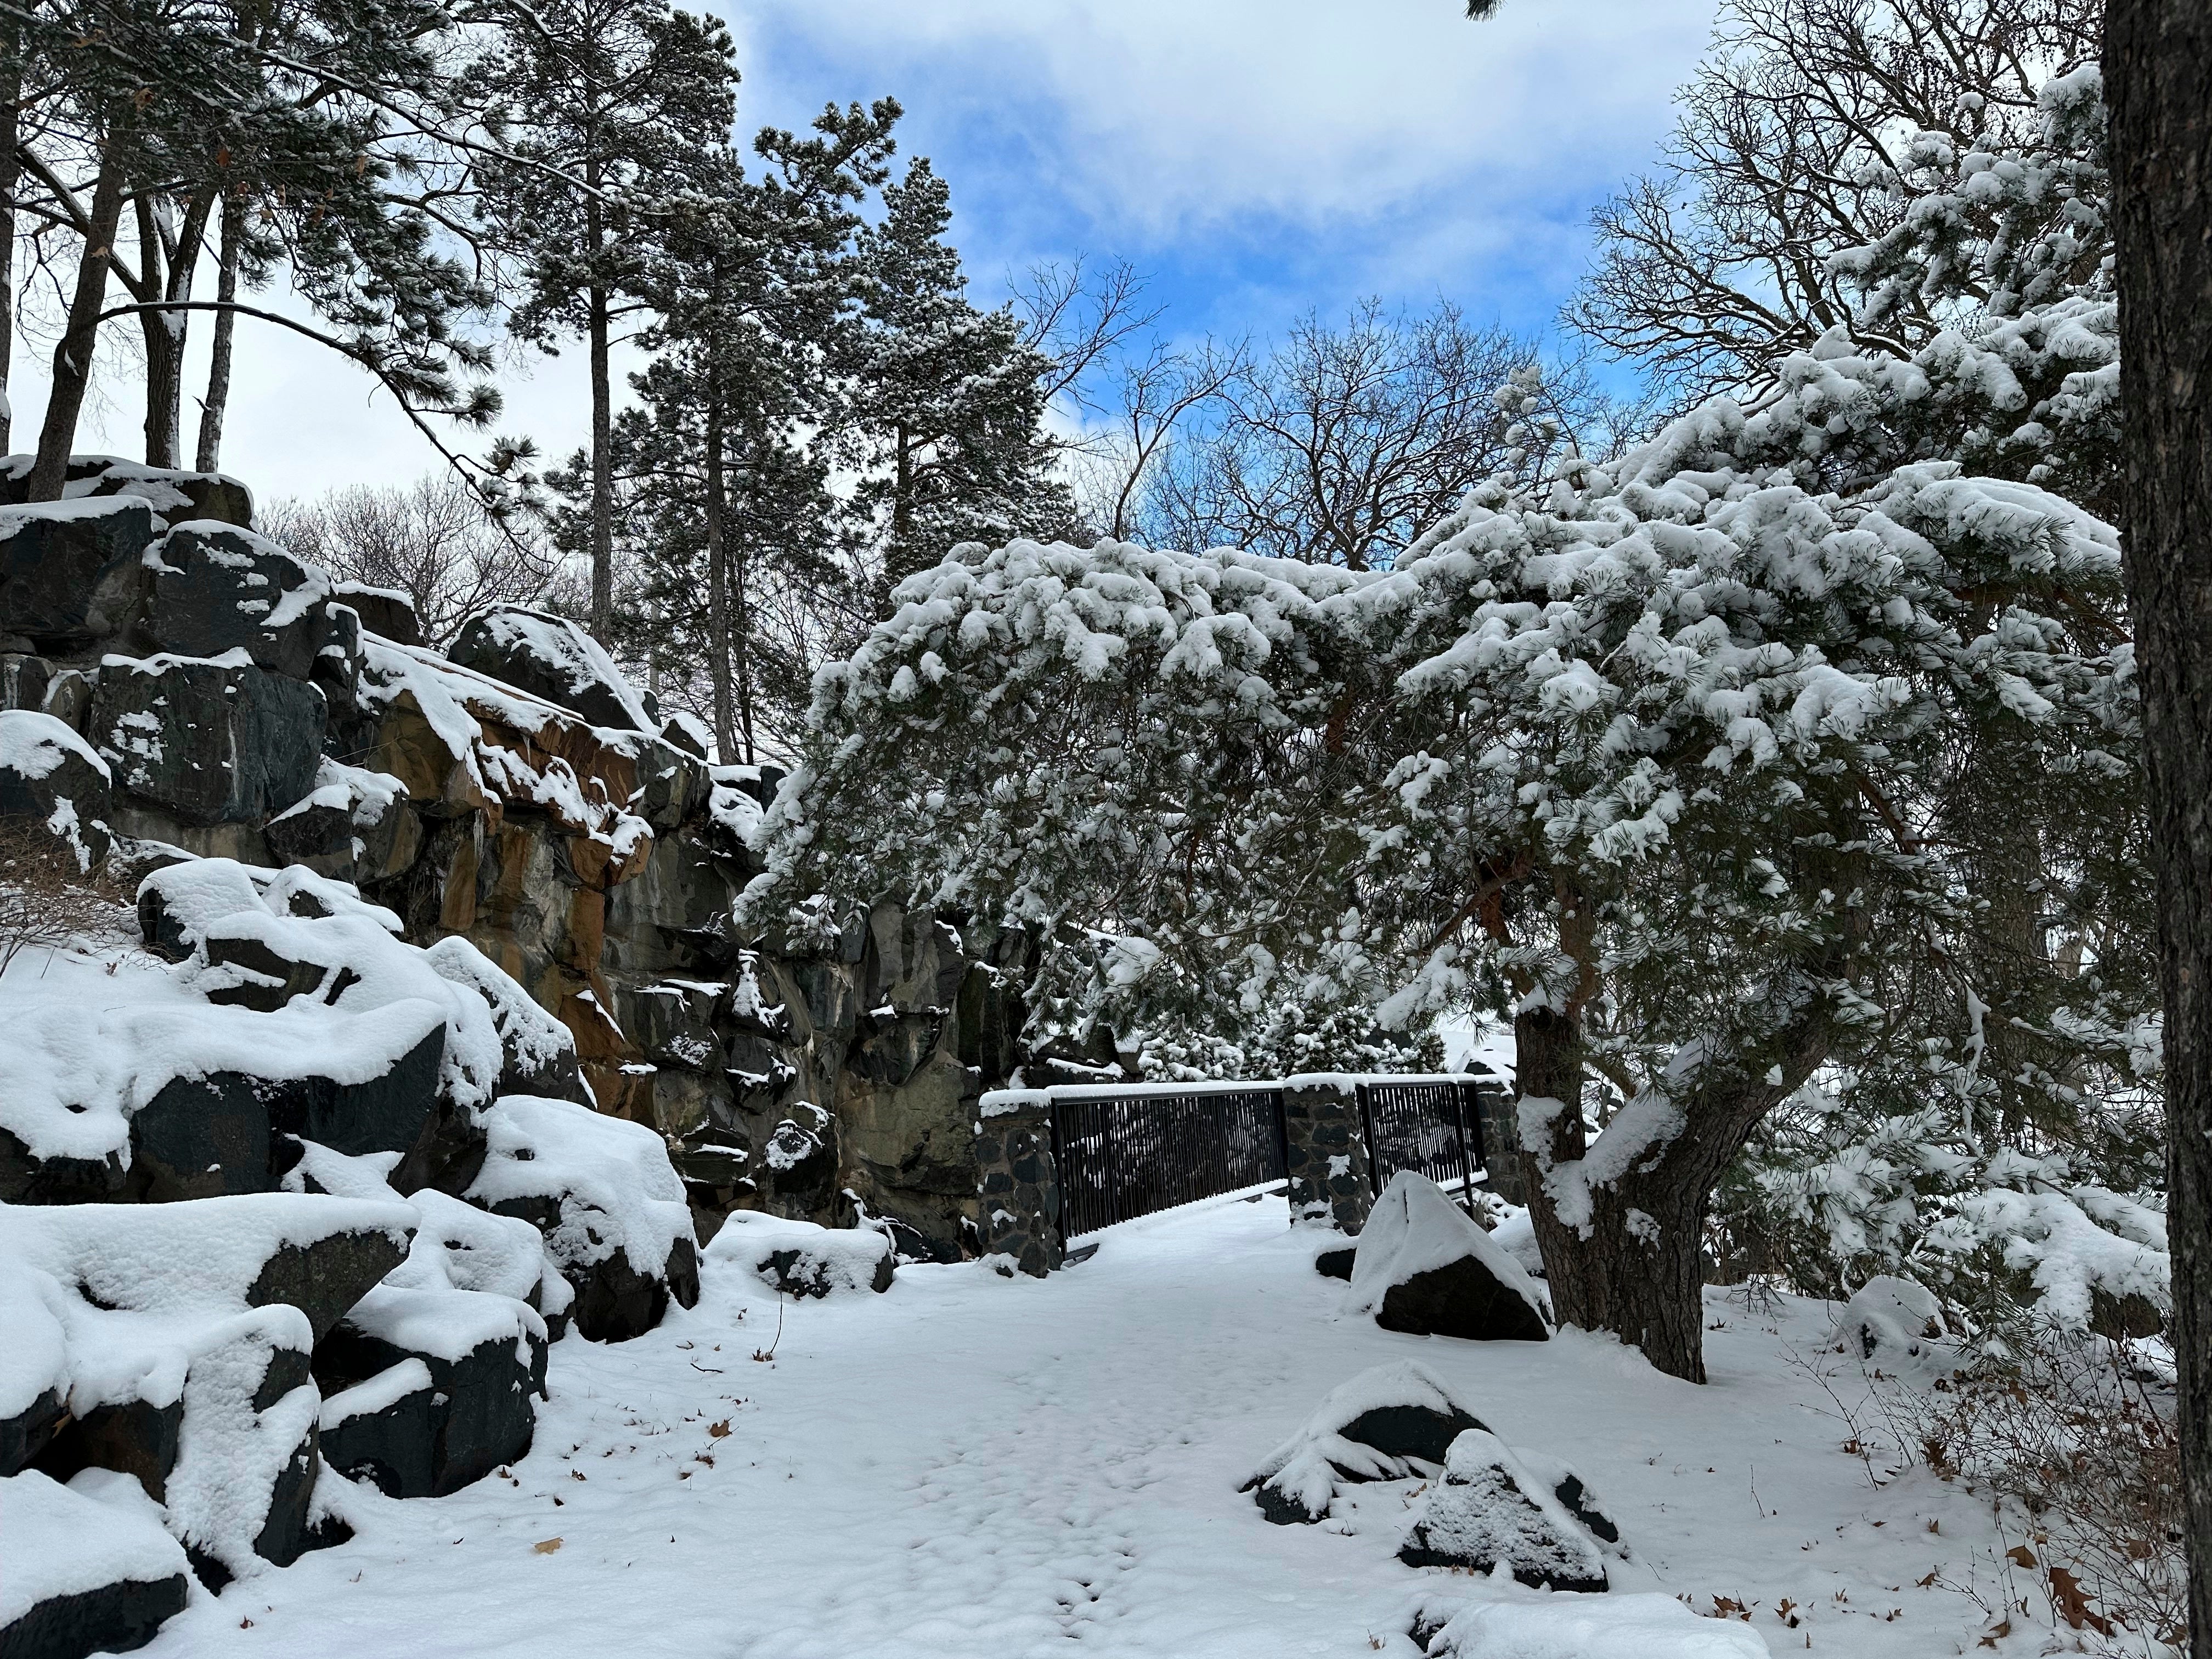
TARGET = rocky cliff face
(519,795)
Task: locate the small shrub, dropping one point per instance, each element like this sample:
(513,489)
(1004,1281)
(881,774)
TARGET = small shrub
(45,901)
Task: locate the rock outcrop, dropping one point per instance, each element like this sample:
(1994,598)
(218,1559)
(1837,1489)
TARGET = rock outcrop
(441,1044)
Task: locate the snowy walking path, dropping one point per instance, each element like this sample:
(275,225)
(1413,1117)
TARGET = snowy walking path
(968,1466)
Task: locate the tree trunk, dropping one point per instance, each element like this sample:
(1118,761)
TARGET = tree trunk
(11,172)
(208,457)
(73,351)
(163,333)
(1635,1264)
(599,305)
(718,579)
(741,648)
(2158,80)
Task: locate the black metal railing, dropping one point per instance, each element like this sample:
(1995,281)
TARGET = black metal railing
(1434,1128)
(1124,1156)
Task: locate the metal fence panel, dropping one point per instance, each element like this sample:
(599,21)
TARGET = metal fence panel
(1433,1128)
(1123,1157)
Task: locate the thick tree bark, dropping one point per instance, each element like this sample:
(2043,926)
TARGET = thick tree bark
(73,352)
(2157,82)
(166,331)
(163,334)
(207,455)
(718,580)
(11,172)
(598,325)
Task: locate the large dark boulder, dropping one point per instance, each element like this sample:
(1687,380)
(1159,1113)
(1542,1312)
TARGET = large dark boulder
(386,612)
(175,496)
(208,742)
(384,1430)
(72,572)
(49,773)
(354,826)
(1423,1267)
(555,661)
(222,1131)
(118,1577)
(217,589)
(1385,1423)
(445,1390)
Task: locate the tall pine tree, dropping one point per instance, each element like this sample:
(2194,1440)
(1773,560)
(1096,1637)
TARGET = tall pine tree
(947,402)
(603,103)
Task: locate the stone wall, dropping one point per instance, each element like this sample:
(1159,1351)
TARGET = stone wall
(245,710)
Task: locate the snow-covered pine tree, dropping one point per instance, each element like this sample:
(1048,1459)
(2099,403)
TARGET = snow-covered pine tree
(945,403)
(312,123)
(601,104)
(751,278)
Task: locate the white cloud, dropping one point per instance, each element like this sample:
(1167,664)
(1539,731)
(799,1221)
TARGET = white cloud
(1269,154)
(1171,118)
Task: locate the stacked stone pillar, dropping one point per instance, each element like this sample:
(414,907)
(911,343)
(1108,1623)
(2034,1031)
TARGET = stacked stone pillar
(1017,1181)
(1324,1152)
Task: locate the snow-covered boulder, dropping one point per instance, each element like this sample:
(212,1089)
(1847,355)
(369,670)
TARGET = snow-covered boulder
(173,494)
(49,773)
(481,1354)
(608,1201)
(353,825)
(85,1568)
(34,1372)
(1489,1510)
(538,1053)
(803,1259)
(1892,1314)
(187,1330)
(71,572)
(1385,1424)
(552,659)
(217,589)
(1423,1267)
(386,612)
(202,741)
(1645,1627)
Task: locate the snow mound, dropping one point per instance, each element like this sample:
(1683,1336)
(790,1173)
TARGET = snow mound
(802,1258)
(63,1541)
(1385,1424)
(1647,1626)
(1891,1313)
(1490,1511)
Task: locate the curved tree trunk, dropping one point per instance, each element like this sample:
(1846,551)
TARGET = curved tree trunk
(73,351)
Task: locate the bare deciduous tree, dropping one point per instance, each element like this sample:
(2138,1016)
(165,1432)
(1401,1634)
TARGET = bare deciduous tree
(432,540)
(1346,443)
(1718,264)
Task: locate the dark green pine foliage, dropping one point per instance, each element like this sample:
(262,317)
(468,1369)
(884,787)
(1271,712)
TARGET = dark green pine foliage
(735,588)
(160,107)
(947,402)
(605,106)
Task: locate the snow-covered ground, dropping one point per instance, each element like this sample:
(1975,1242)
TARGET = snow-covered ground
(971,1465)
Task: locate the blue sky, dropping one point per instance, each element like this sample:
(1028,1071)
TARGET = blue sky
(1255,157)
